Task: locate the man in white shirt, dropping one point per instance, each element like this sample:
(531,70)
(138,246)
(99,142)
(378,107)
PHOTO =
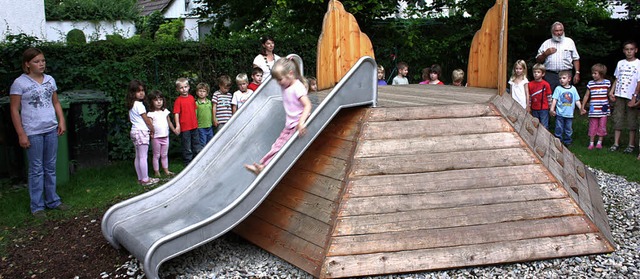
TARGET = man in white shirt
(559,54)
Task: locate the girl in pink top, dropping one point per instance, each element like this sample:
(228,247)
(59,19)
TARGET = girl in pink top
(296,105)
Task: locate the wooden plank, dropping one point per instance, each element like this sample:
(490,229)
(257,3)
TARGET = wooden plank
(488,52)
(451,161)
(442,144)
(454,217)
(472,255)
(380,185)
(413,113)
(332,147)
(300,225)
(295,250)
(303,202)
(434,127)
(313,183)
(449,199)
(529,129)
(599,213)
(458,236)
(504,104)
(455,92)
(346,124)
(414,95)
(542,144)
(328,166)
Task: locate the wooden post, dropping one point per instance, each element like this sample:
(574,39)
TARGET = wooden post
(340,45)
(488,54)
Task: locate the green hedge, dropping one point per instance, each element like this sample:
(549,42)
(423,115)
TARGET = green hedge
(110,65)
(91,9)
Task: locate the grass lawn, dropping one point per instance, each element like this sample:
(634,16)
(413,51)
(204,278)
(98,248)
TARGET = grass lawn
(612,162)
(103,187)
(87,189)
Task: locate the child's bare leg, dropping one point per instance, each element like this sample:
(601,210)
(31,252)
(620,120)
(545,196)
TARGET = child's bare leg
(156,173)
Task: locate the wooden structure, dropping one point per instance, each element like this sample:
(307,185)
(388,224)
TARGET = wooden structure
(487,66)
(340,45)
(436,177)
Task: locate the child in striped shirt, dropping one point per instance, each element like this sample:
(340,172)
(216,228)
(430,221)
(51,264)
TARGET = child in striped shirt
(222,103)
(599,109)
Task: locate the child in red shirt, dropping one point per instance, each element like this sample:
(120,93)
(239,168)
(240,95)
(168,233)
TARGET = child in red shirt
(184,110)
(539,93)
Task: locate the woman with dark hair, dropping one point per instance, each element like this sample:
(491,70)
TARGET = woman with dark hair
(38,119)
(266,58)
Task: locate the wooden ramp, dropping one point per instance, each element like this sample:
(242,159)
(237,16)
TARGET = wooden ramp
(436,177)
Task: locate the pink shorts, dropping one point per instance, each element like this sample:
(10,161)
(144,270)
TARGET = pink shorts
(598,126)
(139,137)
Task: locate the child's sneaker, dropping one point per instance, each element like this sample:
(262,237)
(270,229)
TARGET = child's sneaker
(599,146)
(590,147)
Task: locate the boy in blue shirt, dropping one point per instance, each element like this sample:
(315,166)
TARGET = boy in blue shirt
(565,99)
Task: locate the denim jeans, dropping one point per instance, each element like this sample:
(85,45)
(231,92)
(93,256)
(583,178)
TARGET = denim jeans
(190,145)
(543,116)
(42,155)
(205,135)
(564,129)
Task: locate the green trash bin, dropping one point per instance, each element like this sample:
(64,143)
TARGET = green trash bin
(88,128)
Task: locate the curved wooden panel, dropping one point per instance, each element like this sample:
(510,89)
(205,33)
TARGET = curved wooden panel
(488,54)
(340,45)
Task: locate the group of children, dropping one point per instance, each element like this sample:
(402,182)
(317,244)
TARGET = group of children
(198,119)
(542,101)
(430,75)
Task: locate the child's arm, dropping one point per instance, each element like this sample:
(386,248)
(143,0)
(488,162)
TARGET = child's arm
(527,97)
(302,127)
(634,99)
(612,97)
(586,97)
(579,105)
(552,109)
(173,128)
(147,121)
(233,109)
(215,119)
(176,116)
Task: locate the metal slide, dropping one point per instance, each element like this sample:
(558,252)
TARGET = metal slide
(215,192)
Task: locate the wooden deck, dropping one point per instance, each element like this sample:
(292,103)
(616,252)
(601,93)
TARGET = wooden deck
(434,177)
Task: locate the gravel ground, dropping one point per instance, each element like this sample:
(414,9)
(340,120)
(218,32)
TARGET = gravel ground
(232,257)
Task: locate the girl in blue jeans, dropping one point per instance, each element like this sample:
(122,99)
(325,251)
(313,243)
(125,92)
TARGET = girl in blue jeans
(37,117)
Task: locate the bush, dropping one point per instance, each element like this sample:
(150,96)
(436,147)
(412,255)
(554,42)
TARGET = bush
(76,36)
(91,9)
(170,31)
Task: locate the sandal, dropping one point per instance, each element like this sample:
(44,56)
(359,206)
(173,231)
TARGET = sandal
(614,148)
(151,181)
(629,149)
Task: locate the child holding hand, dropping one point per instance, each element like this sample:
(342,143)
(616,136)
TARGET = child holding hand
(597,96)
(565,100)
(296,105)
(159,116)
(141,131)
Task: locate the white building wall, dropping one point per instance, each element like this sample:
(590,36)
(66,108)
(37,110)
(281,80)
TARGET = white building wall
(24,16)
(57,30)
